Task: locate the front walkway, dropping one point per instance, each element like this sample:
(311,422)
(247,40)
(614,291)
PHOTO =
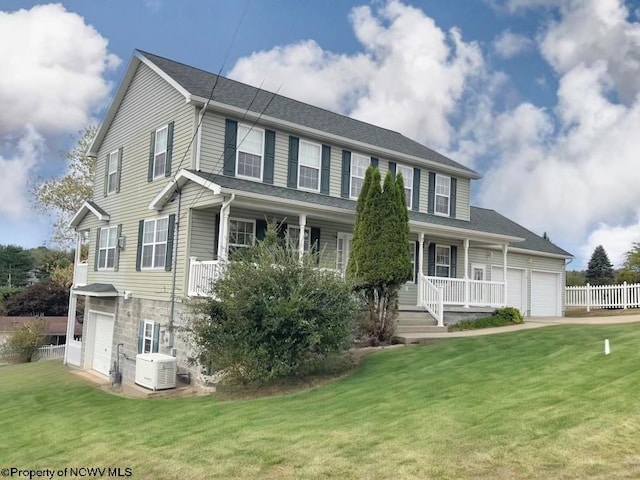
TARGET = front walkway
(529,323)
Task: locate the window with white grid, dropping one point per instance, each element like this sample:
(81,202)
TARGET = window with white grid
(442,194)
(154,243)
(359,165)
(250,148)
(309,159)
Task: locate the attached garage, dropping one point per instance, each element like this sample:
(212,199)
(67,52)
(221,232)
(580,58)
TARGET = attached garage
(102,343)
(546,294)
(516,286)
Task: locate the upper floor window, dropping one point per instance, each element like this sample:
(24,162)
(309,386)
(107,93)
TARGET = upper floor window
(112,172)
(443,261)
(107,248)
(242,233)
(309,161)
(442,194)
(407,178)
(293,240)
(160,152)
(359,165)
(250,147)
(154,243)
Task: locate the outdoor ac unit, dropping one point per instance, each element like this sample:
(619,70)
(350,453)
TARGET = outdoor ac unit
(156,371)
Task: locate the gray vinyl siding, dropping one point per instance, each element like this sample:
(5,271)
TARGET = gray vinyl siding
(150,103)
(463,194)
(203,228)
(212,143)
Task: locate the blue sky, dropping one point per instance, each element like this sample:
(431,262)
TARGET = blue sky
(540,96)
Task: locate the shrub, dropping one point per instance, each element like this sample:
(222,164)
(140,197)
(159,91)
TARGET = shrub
(501,317)
(272,316)
(511,314)
(23,343)
(46,298)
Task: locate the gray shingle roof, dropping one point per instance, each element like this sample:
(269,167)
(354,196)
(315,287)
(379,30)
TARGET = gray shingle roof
(482,219)
(199,83)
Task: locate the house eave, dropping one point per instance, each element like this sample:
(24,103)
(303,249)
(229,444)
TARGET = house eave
(86,208)
(325,136)
(537,253)
(181,178)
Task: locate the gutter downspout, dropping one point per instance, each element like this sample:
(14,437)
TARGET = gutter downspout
(176,242)
(199,137)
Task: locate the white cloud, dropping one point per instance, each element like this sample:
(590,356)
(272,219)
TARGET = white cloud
(408,77)
(509,44)
(154,5)
(16,172)
(52,70)
(52,84)
(616,240)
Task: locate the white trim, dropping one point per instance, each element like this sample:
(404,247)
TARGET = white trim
(436,194)
(479,266)
(155,153)
(345,237)
(140,55)
(351,175)
(245,220)
(436,264)
(114,248)
(239,143)
(114,173)
(154,244)
(181,178)
(559,289)
(87,207)
(90,341)
(400,166)
(144,336)
(315,190)
(326,137)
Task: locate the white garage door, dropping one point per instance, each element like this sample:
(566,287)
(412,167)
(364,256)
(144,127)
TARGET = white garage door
(102,343)
(545,294)
(516,287)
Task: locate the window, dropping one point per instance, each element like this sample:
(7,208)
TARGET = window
(343,250)
(442,194)
(147,338)
(443,261)
(293,239)
(112,172)
(477,272)
(250,147)
(309,156)
(359,165)
(107,248)
(407,178)
(242,233)
(160,152)
(154,243)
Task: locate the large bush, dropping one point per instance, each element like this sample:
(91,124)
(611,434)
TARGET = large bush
(22,344)
(48,298)
(272,315)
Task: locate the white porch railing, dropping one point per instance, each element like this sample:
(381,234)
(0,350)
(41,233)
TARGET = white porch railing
(47,352)
(430,297)
(604,296)
(202,273)
(474,293)
(80,274)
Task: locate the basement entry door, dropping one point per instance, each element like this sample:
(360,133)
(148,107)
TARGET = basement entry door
(103,343)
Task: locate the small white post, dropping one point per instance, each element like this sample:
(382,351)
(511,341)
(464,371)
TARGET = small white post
(607,350)
(505,249)
(420,261)
(588,297)
(302,224)
(466,273)
(441,306)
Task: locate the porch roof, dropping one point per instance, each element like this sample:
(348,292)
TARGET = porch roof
(482,220)
(96,290)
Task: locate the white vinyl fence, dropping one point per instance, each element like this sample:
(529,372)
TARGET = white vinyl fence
(604,296)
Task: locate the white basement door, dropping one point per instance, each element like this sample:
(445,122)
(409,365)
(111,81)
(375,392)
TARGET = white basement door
(516,287)
(545,294)
(102,344)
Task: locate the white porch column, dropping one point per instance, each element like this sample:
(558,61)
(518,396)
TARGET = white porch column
(303,224)
(504,270)
(73,301)
(223,233)
(466,273)
(420,261)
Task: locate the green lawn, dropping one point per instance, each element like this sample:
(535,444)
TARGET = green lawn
(543,404)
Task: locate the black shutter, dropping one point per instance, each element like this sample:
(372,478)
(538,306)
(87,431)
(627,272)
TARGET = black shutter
(453,271)
(261,229)
(415,202)
(346,174)
(230,142)
(140,336)
(315,242)
(416,268)
(454,189)
(97,257)
(292,178)
(392,169)
(116,260)
(326,167)
(139,248)
(106,175)
(431,260)
(152,151)
(169,253)
(167,163)
(216,233)
(374,162)
(119,171)
(432,192)
(269,155)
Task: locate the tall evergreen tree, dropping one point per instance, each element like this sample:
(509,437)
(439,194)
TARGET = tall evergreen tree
(380,259)
(600,269)
(362,198)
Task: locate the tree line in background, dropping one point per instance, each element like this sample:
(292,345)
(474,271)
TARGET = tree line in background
(34,281)
(600,270)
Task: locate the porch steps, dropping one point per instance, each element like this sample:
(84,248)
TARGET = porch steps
(413,322)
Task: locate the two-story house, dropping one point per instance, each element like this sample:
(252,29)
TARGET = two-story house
(191,166)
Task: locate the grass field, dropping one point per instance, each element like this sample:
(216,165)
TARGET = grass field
(544,403)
